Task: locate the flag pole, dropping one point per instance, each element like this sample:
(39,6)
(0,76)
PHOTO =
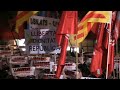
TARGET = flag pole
(116,47)
(82,55)
(76,59)
(108,57)
(118,75)
(76,52)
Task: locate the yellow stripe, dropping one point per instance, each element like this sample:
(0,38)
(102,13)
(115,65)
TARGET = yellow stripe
(107,14)
(101,20)
(105,20)
(25,18)
(84,30)
(20,21)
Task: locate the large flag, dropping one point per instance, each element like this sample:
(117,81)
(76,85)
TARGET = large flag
(87,23)
(114,38)
(108,56)
(101,54)
(67,25)
(111,36)
(21,17)
(100,57)
(108,50)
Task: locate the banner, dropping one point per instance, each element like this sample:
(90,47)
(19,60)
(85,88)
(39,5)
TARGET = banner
(23,71)
(18,60)
(40,37)
(39,22)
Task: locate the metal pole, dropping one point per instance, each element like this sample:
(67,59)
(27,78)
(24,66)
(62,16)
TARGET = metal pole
(109,38)
(76,59)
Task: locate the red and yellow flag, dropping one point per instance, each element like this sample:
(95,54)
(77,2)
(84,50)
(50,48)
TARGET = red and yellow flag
(23,16)
(87,23)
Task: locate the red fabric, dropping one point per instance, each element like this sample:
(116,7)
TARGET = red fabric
(117,27)
(62,58)
(94,28)
(104,59)
(67,25)
(6,34)
(22,14)
(96,64)
(99,60)
(114,30)
(100,36)
(114,37)
(106,35)
(93,15)
(59,71)
(21,31)
(111,58)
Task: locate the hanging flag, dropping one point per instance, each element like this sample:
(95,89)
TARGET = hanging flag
(99,59)
(104,51)
(111,57)
(62,58)
(117,26)
(23,16)
(108,55)
(87,23)
(111,36)
(114,37)
(96,63)
(67,25)
(105,46)
(108,48)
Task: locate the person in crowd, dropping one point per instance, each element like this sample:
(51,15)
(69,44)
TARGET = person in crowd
(73,74)
(84,69)
(4,72)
